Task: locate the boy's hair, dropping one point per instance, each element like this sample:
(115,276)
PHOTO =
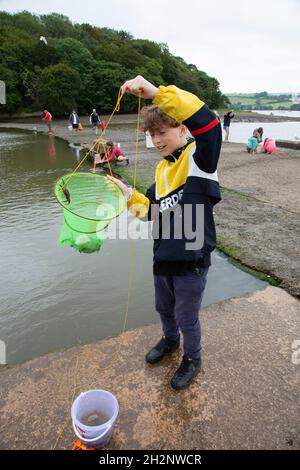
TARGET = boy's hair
(154,118)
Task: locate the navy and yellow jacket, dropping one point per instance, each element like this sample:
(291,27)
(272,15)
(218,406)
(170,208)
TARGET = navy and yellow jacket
(188,177)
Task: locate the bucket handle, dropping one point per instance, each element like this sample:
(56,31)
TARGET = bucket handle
(80,437)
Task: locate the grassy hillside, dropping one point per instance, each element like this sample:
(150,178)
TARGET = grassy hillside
(263,100)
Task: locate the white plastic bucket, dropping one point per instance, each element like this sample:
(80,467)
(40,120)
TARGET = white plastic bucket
(87,403)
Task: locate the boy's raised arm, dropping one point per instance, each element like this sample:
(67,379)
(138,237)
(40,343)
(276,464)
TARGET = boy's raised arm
(202,123)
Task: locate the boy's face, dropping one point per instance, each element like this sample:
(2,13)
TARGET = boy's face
(168,139)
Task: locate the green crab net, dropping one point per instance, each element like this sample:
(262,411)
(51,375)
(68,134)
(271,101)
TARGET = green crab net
(90,201)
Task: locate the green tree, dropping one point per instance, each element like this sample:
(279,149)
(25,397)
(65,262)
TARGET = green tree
(129,57)
(57,26)
(149,48)
(59,88)
(100,59)
(108,77)
(31,80)
(71,52)
(29,23)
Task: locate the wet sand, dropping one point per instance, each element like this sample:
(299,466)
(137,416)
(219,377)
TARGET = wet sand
(259,217)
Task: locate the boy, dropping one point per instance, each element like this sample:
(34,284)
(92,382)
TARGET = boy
(186,177)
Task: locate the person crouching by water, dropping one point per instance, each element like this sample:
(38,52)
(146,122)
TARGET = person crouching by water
(252,144)
(258,133)
(112,153)
(226,123)
(74,120)
(269,146)
(47,117)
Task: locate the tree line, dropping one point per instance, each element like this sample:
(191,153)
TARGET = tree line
(82,66)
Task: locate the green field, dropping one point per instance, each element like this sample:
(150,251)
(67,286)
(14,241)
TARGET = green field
(248,101)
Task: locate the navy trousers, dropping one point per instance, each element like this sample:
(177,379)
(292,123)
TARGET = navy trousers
(178,300)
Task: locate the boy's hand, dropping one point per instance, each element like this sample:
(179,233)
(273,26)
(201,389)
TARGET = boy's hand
(139,86)
(119,183)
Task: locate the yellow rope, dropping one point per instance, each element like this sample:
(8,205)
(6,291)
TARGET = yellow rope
(94,170)
(116,110)
(72,400)
(130,275)
(132,246)
(106,156)
(137,142)
(100,142)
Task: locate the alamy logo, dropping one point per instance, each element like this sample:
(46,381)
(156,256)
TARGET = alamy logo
(177,222)
(2,92)
(2,352)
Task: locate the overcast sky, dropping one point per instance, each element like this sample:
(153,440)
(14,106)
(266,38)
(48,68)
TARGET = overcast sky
(247,45)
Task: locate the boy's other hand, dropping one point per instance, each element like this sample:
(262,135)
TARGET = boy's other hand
(140,86)
(119,183)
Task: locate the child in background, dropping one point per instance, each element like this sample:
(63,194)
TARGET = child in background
(259,134)
(269,146)
(113,153)
(252,145)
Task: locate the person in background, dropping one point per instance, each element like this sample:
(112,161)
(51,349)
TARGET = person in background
(74,120)
(226,123)
(113,153)
(47,117)
(269,146)
(258,133)
(252,144)
(95,121)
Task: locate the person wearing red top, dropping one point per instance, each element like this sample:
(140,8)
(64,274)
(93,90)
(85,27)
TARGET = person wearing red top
(48,120)
(113,153)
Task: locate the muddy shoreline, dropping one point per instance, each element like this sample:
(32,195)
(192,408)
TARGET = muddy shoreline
(239,116)
(248,116)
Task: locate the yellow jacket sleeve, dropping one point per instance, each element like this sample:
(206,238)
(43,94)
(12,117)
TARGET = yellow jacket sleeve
(177,103)
(138,205)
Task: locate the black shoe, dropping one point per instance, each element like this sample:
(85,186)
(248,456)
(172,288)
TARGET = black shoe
(184,375)
(163,347)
